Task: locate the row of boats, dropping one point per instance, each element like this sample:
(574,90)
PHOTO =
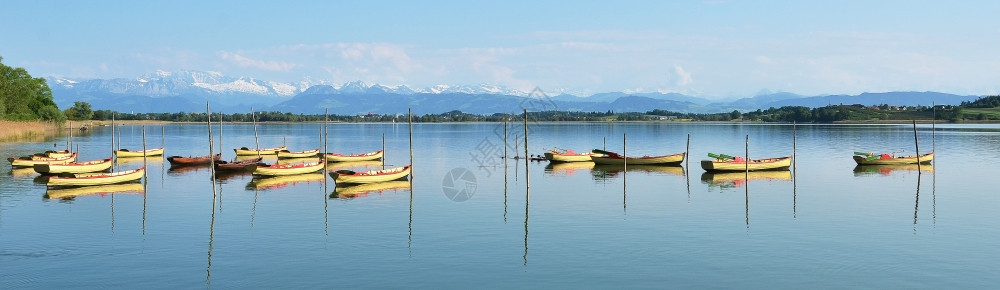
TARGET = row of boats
(63,169)
(723,162)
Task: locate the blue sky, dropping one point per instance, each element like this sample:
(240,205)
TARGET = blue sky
(713,49)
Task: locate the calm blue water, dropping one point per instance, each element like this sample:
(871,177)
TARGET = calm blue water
(574,227)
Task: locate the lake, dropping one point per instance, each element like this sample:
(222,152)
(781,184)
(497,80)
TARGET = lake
(471,220)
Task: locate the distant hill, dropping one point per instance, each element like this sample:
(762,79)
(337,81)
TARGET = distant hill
(187,91)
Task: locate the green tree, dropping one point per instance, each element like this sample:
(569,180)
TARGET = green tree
(25,98)
(79,111)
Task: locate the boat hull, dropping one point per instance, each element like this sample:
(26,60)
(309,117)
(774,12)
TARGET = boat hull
(911,159)
(84,179)
(293,169)
(263,151)
(557,157)
(334,157)
(650,160)
(301,154)
(371,176)
(241,165)
(148,152)
(778,163)
(74,167)
(197,160)
(19,162)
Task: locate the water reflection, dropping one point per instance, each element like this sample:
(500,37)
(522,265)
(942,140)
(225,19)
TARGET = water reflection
(887,170)
(361,190)
(20,172)
(276,182)
(726,180)
(150,160)
(351,165)
(74,192)
(605,172)
(284,161)
(568,168)
(181,170)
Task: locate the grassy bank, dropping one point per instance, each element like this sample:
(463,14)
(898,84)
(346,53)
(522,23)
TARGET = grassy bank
(11,131)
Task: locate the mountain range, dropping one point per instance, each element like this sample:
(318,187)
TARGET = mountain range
(187,91)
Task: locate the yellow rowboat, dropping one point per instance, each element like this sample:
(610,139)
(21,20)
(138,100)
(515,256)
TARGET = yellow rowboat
(777,163)
(140,153)
(372,176)
(72,192)
(567,168)
(288,169)
(299,154)
(81,179)
(276,182)
(569,156)
(57,154)
(886,170)
(738,179)
(614,158)
(263,151)
(74,167)
(352,191)
(31,161)
(337,157)
(886,159)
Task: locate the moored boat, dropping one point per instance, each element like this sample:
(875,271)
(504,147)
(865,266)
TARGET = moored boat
(238,165)
(74,167)
(288,169)
(615,158)
(140,153)
(195,160)
(262,151)
(371,176)
(741,164)
(81,179)
(337,157)
(870,158)
(556,155)
(29,161)
(299,154)
(58,154)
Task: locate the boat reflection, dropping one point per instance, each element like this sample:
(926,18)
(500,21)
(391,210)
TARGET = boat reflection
(150,160)
(739,179)
(180,170)
(352,165)
(224,176)
(568,168)
(276,182)
(353,191)
(604,172)
(22,172)
(73,192)
(285,161)
(887,170)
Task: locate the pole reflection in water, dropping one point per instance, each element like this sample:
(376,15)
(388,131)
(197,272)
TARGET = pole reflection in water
(527,200)
(916,203)
(211,240)
(145,184)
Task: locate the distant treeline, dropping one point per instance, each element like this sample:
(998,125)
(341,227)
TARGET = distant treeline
(800,114)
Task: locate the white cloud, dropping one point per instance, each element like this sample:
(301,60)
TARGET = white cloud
(243,61)
(684,77)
